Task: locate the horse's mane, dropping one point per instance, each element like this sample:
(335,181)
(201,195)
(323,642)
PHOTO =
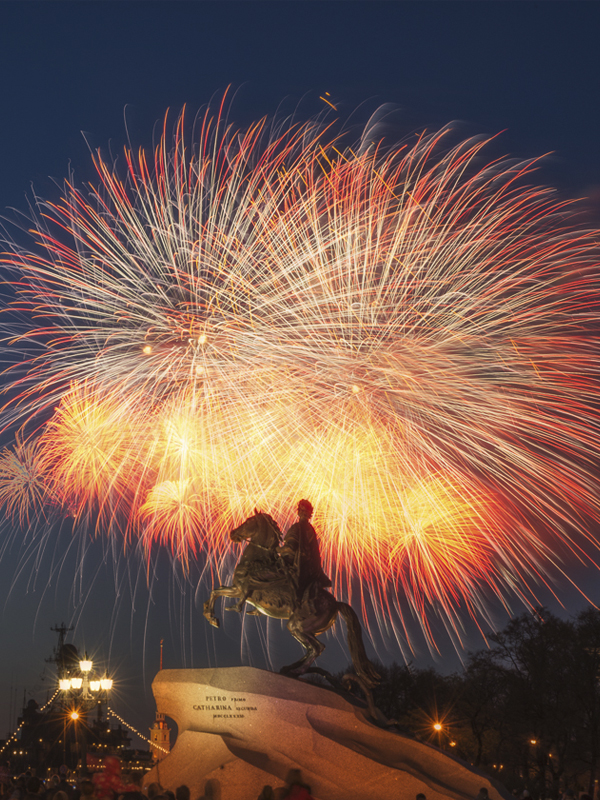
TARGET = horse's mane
(272,521)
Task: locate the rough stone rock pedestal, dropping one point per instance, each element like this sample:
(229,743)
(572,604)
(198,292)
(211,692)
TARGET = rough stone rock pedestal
(241,728)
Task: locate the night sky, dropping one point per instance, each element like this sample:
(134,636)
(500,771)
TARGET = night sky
(109,70)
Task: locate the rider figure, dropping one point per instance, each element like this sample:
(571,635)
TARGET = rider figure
(301,554)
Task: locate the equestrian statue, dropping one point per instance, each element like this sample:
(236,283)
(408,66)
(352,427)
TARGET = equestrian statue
(287,582)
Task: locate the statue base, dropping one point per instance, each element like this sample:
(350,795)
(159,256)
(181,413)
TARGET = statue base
(242,728)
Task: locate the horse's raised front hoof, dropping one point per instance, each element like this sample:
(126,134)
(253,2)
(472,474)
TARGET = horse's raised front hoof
(210,617)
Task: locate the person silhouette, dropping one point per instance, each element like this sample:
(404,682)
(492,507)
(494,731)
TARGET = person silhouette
(301,554)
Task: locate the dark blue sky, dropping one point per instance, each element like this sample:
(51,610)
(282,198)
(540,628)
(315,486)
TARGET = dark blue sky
(529,68)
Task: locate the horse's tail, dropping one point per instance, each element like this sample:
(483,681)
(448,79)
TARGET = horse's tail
(362,665)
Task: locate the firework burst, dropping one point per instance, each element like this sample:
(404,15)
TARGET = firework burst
(406,335)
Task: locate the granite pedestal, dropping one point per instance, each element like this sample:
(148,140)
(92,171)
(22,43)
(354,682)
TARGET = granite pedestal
(241,728)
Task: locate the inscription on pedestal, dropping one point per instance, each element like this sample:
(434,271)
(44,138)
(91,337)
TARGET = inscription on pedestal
(223,707)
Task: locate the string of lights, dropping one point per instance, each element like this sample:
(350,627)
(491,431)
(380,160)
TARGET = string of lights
(134,730)
(13,736)
(111,713)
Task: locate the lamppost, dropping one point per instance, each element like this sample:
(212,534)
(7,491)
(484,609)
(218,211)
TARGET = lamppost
(86,690)
(442,734)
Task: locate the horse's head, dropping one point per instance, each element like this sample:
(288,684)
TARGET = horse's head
(259,529)
(246,530)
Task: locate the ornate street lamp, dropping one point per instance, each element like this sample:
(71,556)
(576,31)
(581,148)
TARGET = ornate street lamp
(87,690)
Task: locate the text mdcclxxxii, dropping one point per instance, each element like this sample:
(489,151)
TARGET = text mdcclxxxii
(224,707)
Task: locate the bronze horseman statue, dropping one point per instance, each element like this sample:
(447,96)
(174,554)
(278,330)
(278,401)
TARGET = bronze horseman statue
(288,582)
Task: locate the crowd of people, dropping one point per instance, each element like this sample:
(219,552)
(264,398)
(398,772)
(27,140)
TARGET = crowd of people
(294,789)
(110,784)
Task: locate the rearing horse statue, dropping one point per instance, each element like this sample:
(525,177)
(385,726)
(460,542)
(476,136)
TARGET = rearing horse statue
(263,580)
